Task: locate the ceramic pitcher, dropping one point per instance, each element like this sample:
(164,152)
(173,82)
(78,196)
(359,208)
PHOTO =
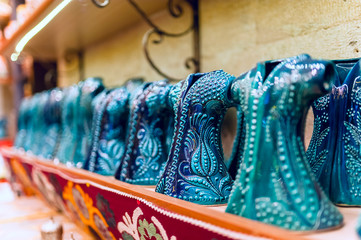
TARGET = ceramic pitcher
(108,143)
(274,183)
(89,89)
(334,150)
(52,124)
(68,140)
(38,122)
(23,123)
(110,118)
(195,169)
(148,130)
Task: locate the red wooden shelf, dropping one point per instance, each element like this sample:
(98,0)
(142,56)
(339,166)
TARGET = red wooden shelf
(171,217)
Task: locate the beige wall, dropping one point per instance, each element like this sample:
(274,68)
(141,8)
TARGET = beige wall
(235,35)
(68,70)
(122,56)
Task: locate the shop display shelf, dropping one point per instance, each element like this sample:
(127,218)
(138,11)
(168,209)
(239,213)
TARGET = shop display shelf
(113,209)
(116,210)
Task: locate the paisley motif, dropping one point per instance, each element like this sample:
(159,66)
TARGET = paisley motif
(109,123)
(322,102)
(195,170)
(200,144)
(149,148)
(150,125)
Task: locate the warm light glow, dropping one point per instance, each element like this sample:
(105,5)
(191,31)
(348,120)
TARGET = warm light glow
(4,70)
(29,35)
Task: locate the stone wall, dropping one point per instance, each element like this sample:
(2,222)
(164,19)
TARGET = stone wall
(235,35)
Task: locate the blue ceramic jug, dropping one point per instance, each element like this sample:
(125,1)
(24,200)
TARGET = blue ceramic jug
(195,169)
(38,122)
(69,116)
(334,151)
(52,124)
(27,142)
(110,117)
(146,147)
(23,123)
(274,183)
(89,89)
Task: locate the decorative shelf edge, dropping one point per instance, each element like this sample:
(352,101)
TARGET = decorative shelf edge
(115,209)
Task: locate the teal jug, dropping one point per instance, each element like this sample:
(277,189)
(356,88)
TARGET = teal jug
(274,183)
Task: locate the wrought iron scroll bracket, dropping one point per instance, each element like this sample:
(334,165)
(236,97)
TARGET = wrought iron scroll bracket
(101,4)
(176,11)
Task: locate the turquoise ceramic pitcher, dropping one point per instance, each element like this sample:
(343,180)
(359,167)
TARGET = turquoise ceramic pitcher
(274,183)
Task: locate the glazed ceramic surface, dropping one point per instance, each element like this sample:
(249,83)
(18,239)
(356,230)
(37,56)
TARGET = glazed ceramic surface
(38,124)
(24,118)
(195,168)
(148,129)
(110,121)
(27,142)
(70,111)
(275,184)
(52,121)
(334,150)
(89,89)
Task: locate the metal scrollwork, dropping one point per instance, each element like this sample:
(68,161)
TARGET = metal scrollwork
(175,11)
(160,35)
(101,4)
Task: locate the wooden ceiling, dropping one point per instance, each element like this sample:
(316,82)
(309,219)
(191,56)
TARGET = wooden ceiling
(79,25)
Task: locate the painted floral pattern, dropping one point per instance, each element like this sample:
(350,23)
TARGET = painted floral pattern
(148,230)
(81,205)
(144,222)
(47,189)
(132,227)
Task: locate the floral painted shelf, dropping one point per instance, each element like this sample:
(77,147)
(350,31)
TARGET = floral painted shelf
(116,210)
